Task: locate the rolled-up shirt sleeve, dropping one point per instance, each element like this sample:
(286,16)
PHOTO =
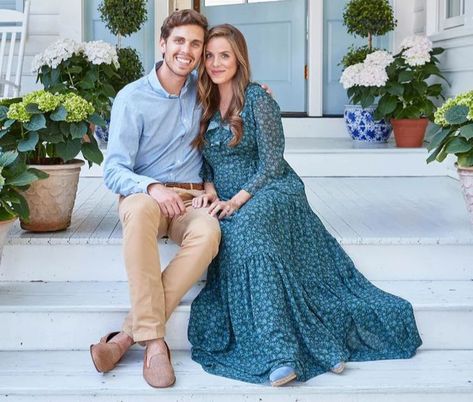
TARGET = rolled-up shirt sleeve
(126,128)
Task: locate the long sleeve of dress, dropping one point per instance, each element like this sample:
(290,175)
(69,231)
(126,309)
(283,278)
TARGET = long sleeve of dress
(270,141)
(206,172)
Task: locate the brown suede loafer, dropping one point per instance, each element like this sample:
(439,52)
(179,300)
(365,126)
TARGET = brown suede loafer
(106,354)
(159,373)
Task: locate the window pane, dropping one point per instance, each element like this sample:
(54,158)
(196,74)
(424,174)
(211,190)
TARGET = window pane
(260,1)
(454,8)
(209,3)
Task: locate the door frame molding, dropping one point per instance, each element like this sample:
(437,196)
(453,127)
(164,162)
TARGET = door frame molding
(315,57)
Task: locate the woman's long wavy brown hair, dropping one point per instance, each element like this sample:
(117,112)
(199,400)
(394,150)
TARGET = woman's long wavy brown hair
(208,93)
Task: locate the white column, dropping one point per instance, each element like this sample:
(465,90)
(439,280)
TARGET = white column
(71,19)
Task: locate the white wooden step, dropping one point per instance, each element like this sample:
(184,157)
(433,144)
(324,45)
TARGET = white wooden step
(72,315)
(314,127)
(430,376)
(335,156)
(394,228)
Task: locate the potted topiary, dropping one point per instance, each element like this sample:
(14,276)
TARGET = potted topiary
(365,18)
(15,177)
(452,134)
(49,130)
(123,19)
(408,95)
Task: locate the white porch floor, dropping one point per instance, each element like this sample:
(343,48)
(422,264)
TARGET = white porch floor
(356,210)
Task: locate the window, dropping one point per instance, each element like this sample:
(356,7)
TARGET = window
(452,14)
(209,3)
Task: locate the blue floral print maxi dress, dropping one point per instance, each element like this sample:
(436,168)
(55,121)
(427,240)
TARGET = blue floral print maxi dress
(282,291)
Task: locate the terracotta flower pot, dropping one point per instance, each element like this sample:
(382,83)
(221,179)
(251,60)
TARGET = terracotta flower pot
(51,200)
(466,180)
(5,227)
(409,133)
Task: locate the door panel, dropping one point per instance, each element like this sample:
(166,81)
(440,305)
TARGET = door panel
(276,37)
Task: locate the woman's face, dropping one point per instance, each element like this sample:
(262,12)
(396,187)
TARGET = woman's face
(220,60)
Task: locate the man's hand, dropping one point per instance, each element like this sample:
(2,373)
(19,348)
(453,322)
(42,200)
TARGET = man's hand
(201,201)
(169,202)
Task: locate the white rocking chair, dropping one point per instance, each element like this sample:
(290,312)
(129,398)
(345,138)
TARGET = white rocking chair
(16,30)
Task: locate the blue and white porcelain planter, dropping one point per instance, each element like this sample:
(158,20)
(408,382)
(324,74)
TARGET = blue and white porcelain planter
(362,126)
(101,133)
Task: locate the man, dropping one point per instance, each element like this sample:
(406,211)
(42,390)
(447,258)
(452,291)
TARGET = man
(153,166)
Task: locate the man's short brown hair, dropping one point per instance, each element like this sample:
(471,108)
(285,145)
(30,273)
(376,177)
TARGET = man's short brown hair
(183,17)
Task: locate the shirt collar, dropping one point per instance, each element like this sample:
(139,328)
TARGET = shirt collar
(156,84)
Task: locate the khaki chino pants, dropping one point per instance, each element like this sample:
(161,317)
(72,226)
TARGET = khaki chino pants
(154,295)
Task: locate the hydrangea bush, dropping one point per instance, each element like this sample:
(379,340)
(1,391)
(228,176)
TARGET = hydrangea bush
(15,178)
(87,68)
(398,83)
(49,128)
(452,132)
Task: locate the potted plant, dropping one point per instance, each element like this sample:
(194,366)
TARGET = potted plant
(408,97)
(49,130)
(365,18)
(89,69)
(15,177)
(452,133)
(123,19)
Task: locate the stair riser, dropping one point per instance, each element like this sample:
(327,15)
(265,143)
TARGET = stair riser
(256,396)
(362,164)
(77,330)
(95,262)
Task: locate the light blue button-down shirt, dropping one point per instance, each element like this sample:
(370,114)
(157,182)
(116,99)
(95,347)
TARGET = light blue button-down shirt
(150,136)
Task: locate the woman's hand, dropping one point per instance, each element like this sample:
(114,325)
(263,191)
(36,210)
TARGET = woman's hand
(222,209)
(201,201)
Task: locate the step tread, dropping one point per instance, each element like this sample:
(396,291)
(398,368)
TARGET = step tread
(69,372)
(346,145)
(394,210)
(114,296)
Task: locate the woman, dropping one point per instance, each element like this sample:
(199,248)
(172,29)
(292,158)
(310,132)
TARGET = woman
(282,299)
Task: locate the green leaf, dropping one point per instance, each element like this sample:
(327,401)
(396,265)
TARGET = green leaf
(37,122)
(434,155)
(38,173)
(439,138)
(78,130)
(395,89)
(68,150)
(22,209)
(405,76)
(367,101)
(59,114)
(55,75)
(97,120)
(458,145)
(29,142)
(86,84)
(467,131)
(32,108)
(437,50)
(3,112)
(7,158)
(23,179)
(92,153)
(8,123)
(387,104)
(109,91)
(465,159)
(457,114)
(75,69)
(432,130)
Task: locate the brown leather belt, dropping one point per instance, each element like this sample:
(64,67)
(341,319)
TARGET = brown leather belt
(186,186)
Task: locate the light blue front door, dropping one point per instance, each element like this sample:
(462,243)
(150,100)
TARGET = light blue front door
(275,32)
(336,43)
(143,40)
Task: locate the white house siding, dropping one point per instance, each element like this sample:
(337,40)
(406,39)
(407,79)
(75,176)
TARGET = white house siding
(49,21)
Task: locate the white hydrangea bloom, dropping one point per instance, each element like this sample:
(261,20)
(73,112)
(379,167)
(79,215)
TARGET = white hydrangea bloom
(351,75)
(416,50)
(379,58)
(100,52)
(372,76)
(54,54)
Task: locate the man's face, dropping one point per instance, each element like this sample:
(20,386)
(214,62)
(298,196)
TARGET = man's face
(183,49)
